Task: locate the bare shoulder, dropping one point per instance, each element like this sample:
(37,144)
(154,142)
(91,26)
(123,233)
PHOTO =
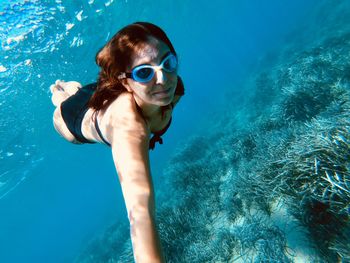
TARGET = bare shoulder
(124,127)
(123,114)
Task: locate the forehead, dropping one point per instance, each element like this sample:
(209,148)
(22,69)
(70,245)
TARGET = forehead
(149,52)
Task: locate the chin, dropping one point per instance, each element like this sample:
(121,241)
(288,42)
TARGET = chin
(165,102)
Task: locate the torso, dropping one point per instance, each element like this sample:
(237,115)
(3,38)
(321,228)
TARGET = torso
(160,121)
(155,124)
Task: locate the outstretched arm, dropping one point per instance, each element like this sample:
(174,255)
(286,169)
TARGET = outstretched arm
(129,138)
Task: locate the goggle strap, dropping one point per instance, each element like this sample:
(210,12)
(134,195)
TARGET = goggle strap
(124,75)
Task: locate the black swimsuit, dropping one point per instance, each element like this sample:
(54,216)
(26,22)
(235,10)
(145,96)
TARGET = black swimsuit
(74,108)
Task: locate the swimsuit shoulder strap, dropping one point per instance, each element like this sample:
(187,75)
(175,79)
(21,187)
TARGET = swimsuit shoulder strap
(156,135)
(97,127)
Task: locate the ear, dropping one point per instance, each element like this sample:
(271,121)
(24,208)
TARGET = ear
(125,83)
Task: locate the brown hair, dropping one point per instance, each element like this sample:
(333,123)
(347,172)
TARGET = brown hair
(115,57)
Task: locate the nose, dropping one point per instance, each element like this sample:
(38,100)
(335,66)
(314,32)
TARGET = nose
(160,77)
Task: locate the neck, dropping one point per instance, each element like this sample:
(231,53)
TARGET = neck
(148,110)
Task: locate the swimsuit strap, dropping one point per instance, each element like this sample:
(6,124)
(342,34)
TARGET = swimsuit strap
(156,138)
(156,135)
(97,127)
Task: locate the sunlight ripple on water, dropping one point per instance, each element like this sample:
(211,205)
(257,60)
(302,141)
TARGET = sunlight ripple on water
(32,37)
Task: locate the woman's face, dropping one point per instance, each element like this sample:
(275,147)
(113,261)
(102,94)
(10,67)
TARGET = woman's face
(161,88)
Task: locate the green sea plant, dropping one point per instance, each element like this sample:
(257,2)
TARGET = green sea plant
(314,175)
(260,241)
(108,246)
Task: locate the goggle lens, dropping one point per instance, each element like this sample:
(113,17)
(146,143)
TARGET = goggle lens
(143,73)
(170,63)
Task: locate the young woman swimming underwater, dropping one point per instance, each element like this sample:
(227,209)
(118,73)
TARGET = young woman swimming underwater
(129,108)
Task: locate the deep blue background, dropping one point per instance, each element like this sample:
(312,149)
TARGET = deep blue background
(62,194)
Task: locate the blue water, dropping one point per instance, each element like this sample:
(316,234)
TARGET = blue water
(55,197)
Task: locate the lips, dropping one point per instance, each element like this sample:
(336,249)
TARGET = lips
(162,92)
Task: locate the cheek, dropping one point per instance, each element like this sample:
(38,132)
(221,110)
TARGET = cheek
(144,90)
(172,78)
(136,87)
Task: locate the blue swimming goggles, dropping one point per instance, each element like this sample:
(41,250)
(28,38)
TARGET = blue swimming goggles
(144,73)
